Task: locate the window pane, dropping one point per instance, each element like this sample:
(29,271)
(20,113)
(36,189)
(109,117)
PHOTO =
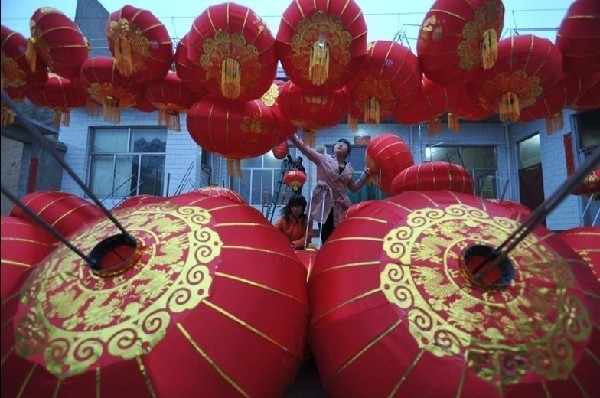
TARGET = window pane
(529,152)
(589,129)
(110,141)
(151,175)
(443,153)
(242,185)
(251,162)
(271,162)
(485,183)
(101,173)
(125,176)
(148,140)
(479,157)
(356,157)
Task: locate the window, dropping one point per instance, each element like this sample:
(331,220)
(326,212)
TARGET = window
(262,180)
(480,161)
(588,127)
(127,161)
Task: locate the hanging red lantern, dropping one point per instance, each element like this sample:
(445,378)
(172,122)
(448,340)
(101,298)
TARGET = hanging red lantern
(312,112)
(16,72)
(280,151)
(584,241)
(65,212)
(142,104)
(590,99)
(578,38)
(61,95)
(170,97)
(396,298)
(389,77)
(235,130)
(433,176)
(24,244)
(526,70)
(236,51)
(294,179)
(57,40)
(189,72)
(590,185)
(140,43)
(465,107)
(106,86)
(321,44)
(386,156)
(269,98)
(459,37)
(182,315)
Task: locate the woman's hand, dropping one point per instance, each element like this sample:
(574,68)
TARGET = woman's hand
(367,171)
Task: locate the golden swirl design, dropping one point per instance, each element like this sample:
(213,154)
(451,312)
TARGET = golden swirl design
(73,318)
(527,328)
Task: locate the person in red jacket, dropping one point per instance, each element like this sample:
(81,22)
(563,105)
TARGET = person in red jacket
(293,222)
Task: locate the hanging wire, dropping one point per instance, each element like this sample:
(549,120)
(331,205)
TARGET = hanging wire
(37,135)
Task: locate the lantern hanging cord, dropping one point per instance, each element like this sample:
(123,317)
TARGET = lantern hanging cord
(37,135)
(539,214)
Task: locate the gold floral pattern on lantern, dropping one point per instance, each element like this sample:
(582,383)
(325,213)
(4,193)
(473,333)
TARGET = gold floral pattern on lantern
(495,331)
(12,75)
(129,37)
(528,88)
(73,318)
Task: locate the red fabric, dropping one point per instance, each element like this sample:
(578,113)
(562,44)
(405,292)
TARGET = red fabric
(465,107)
(584,241)
(340,23)
(214,191)
(16,73)
(434,100)
(59,93)
(390,73)
(577,37)
(235,130)
(590,185)
(433,176)
(590,99)
(569,154)
(386,156)
(211,40)
(169,95)
(449,40)
(58,42)
(280,151)
(189,72)
(390,304)
(137,200)
(522,211)
(151,46)
(286,128)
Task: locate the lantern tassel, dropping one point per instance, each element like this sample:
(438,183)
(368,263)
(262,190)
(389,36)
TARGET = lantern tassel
(453,122)
(554,123)
(231,78)
(92,108)
(318,69)
(352,122)
(31,53)
(372,111)
(308,136)
(111,110)
(434,127)
(489,48)
(123,50)
(8,116)
(170,119)
(234,168)
(509,107)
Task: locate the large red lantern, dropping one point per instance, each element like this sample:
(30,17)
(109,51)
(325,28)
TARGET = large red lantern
(221,192)
(61,95)
(16,72)
(526,70)
(189,72)
(464,107)
(235,130)
(294,179)
(458,37)
(584,241)
(590,99)
(106,86)
(386,156)
(281,150)
(389,77)
(312,112)
(140,43)
(590,184)
(57,40)
(236,51)
(433,176)
(170,97)
(321,44)
(397,300)
(578,38)
(182,315)
(269,98)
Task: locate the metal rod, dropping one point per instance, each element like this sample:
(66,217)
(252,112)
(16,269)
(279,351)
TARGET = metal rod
(46,144)
(504,191)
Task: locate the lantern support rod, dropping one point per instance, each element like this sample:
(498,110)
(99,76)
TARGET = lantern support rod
(37,135)
(539,214)
(44,224)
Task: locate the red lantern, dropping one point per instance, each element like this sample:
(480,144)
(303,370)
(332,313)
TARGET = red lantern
(527,69)
(459,37)
(138,200)
(217,191)
(16,72)
(106,86)
(171,98)
(433,176)
(61,95)
(65,212)
(590,185)
(57,40)
(312,112)
(321,44)
(584,241)
(522,211)
(235,130)
(24,244)
(578,38)
(142,104)
(183,315)
(396,299)
(280,151)
(140,43)
(269,98)
(189,72)
(386,156)
(465,107)
(389,77)
(307,257)
(294,179)
(590,99)
(236,51)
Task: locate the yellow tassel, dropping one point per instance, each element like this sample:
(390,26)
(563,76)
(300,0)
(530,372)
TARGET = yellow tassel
(308,136)
(169,118)
(554,123)
(231,78)
(318,69)
(123,50)
(489,48)
(8,116)
(510,109)
(372,111)
(352,122)
(31,53)
(434,127)
(453,123)
(92,108)
(111,110)
(234,168)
